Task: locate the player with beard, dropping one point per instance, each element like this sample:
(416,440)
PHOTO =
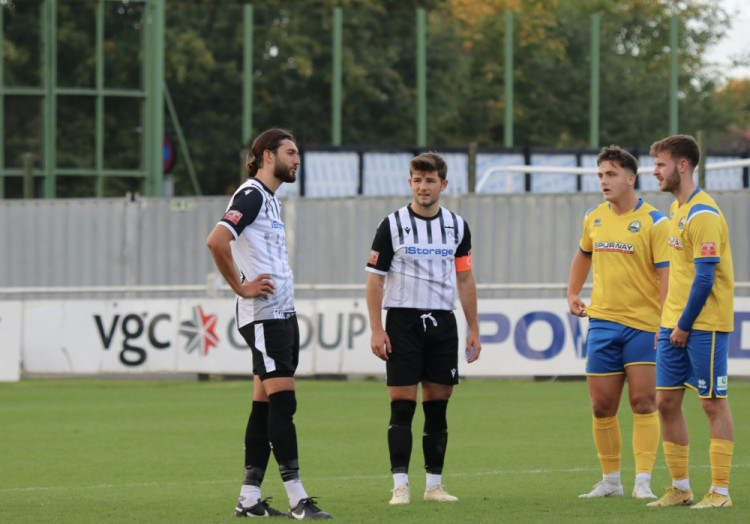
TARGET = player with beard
(696,322)
(251,235)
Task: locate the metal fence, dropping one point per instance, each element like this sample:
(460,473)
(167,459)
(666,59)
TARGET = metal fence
(135,246)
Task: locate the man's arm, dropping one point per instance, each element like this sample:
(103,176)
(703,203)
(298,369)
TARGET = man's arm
(699,292)
(579,271)
(219,243)
(467,294)
(379,341)
(663,274)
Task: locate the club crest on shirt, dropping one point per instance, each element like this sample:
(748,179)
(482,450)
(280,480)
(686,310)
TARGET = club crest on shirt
(681,225)
(233,216)
(634,226)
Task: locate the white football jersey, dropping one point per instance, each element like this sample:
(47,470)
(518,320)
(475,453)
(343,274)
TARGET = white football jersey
(254,218)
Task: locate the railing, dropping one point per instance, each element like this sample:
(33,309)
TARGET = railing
(212,289)
(579,170)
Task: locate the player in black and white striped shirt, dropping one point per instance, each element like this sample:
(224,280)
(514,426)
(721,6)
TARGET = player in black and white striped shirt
(251,235)
(420,256)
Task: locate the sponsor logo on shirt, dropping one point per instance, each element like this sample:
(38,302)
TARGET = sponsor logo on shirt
(675,243)
(413,250)
(233,216)
(276,224)
(708,249)
(598,222)
(614,247)
(373,258)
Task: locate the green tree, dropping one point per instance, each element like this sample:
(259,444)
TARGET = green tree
(552,68)
(292,57)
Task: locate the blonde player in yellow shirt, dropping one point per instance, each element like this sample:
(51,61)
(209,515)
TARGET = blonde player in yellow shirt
(625,239)
(697,319)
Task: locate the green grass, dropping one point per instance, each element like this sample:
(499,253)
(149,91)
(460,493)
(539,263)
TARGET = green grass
(82,451)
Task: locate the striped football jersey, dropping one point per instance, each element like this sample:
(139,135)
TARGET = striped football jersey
(419,255)
(254,218)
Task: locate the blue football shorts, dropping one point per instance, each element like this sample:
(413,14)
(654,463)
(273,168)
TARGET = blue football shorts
(702,365)
(611,347)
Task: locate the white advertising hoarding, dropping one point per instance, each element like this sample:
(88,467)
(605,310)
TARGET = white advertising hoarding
(519,338)
(10,340)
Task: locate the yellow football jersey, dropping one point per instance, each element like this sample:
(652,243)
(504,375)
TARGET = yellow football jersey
(698,231)
(626,250)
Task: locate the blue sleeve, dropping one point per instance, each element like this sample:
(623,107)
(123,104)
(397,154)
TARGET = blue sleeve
(702,284)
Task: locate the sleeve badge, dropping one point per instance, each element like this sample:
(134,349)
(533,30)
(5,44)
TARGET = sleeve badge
(708,249)
(233,216)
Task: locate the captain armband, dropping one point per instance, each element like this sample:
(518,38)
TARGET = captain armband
(463,263)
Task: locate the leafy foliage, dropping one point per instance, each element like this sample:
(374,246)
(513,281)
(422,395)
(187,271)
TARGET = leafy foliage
(292,77)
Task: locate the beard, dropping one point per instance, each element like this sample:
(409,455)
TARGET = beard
(284,173)
(425,201)
(672,182)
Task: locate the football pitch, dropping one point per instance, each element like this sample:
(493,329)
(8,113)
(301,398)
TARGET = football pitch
(81,450)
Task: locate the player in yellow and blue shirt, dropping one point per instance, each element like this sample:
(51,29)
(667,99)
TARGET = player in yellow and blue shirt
(625,239)
(697,319)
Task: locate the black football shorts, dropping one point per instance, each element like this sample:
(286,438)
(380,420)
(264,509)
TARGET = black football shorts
(275,346)
(424,347)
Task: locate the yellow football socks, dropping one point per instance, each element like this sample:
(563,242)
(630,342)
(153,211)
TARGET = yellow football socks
(720,452)
(608,443)
(676,457)
(645,441)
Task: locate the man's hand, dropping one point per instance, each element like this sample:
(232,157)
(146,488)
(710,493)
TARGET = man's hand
(576,306)
(473,346)
(679,337)
(260,287)
(380,344)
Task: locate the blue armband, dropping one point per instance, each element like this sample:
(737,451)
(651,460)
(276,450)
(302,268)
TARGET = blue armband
(702,284)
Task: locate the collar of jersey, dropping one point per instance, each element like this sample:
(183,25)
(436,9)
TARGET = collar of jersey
(414,213)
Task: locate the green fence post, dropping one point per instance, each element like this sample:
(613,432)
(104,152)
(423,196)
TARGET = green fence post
(508,127)
(421,77)
(154,117)
(596,24)
(674,50)
(337,75)
(49,74)
(2,108)
(99,147)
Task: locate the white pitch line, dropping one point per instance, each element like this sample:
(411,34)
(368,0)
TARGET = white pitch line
(312,477)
